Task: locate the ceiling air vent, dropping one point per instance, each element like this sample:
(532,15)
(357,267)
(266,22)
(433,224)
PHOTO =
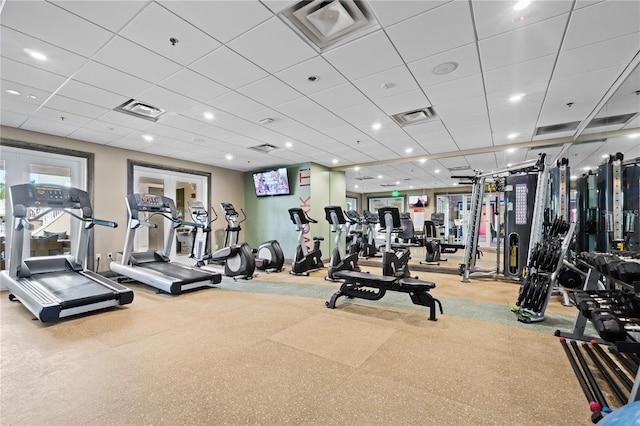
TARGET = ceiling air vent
(139,109)
(329,23)
(364,178)
(557,128)
(415,117)
(458,168)
(609,121)
(264,148)
(387,185)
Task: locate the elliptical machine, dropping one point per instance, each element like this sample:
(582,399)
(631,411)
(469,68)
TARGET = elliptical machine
(369,248)
(305,260)
(395,258)
(268,256)
(354,237)
(339,260)
(237,258)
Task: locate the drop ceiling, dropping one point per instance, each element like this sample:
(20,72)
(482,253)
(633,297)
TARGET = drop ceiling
(265,83)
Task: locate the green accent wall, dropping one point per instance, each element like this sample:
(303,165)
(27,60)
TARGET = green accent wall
(312,187)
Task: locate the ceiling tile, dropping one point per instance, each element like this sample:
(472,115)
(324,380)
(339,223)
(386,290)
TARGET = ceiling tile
(198,113)
(298,75)
(404,102)
(91,95)
(49,127)
(111,79)
(223,20)
(364,56)
(72,106)
(59,61)
(387,83)
(602,21)
(270,91)
(455,90)
(94,136)
(126,120)
(496,17)
(611,52)
(531,42)
(193,85)
(301,108)
(12,119)
(365,113)
(236,104)
(273,46)
(102,12)
(183,122)
(136,60)
(166,99)
(466,57)
(110,128)
(339,97)
(566,88)
(228,68)
(556,111)
(514,77)
(435,31)
(154,26)
(19,105)
(29,76)
(62,28)
(468,112)
(392,12)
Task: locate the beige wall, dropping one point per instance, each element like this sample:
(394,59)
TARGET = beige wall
(110,183)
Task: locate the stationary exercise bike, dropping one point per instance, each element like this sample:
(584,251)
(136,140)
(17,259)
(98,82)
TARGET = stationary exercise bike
(237,258)
(395,258)
(305,260)
(369,248)
(339,260)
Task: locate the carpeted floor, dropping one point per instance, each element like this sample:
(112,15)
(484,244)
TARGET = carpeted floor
(267,351)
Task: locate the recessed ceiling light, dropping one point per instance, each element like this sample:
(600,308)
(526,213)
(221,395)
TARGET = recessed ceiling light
(355,186)
(511,150)
(147,138)
(455,183)
(513,135)
(445,68)
(13,92)
(376,126)
(397,182)
(30,96)
(509,164)
(521,4)
(386,86)
(423,160)
(436,171)
(408,150)
(410,186)
(573,177)
(334,161)
(605,155)
(634,135)
(586,168)
(356,168)
(379,176)
(208,115)
(229,157)
(35,55)
(516,98)
(288,144)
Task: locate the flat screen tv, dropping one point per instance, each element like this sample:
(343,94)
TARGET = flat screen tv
(271,182)
(418,201)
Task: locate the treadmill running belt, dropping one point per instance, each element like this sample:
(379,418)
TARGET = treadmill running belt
(185,275)
(74,289)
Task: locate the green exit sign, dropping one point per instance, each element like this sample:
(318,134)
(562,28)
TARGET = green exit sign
(395,193)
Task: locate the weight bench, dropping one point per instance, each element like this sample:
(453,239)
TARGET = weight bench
(373,287)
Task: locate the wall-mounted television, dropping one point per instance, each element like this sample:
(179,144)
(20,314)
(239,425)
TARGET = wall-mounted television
(271,182)
(418,201)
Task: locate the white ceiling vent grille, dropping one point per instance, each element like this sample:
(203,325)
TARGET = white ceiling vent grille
(264,148)
(364,178)
(415,117)
(557,128)
(388,185)
(139,109)
(327,24)
(458,168)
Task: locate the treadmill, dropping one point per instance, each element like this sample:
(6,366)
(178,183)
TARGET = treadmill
(154,268)
(53,287)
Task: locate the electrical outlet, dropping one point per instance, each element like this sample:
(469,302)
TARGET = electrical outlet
(110,256)
(98,257)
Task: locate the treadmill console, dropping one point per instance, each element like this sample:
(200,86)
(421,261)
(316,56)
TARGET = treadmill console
(229,210)
(150,203)
(49,196)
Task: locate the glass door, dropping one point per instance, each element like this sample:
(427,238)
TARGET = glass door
(52,233)
(181,188)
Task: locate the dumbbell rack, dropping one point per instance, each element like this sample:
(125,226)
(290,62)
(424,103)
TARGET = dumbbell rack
(549,273)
